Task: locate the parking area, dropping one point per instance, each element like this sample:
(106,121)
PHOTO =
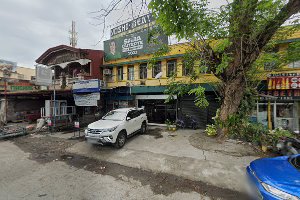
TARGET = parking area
(184,164)
(186,153)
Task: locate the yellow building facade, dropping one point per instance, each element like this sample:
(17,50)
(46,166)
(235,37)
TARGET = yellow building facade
(136,84)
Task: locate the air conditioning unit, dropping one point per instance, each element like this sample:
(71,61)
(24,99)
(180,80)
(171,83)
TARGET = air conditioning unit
(107,71)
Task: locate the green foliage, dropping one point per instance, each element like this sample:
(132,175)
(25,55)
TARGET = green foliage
(181,18)
(200,99)
(229,42)
(293,52)
(211,130)
(178,88)
(169,122)
(224,64)
(272,136)
(221,45)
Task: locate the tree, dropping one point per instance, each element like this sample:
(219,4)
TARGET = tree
(230,40)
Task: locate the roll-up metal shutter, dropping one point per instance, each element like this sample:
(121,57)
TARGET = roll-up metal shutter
(202,116)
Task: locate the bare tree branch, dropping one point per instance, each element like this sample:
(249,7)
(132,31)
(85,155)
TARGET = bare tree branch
(291,8)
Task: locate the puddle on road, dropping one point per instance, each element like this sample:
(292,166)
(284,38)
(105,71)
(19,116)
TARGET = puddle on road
(156,133)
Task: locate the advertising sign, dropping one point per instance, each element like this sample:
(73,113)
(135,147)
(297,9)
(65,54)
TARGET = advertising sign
(86,99)
(283,94)
(138,22)
(86,86)
(131,45)
(20,87)
(285,81)
(43,76)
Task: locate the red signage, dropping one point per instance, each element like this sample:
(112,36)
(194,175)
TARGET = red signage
(288,81)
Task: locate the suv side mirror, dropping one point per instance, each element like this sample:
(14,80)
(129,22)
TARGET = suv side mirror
(128,118)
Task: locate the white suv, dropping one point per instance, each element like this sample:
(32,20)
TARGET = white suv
(116,126)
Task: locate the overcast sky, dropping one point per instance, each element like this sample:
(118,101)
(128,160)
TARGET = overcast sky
(29,28)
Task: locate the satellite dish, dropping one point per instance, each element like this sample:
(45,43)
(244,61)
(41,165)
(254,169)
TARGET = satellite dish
(159,75)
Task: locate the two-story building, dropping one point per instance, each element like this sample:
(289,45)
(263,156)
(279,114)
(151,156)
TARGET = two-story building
(69,64)
(131,82)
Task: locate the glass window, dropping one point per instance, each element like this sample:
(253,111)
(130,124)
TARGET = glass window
(120,73)
(143,71)
(156,69)
(284,111)
(295,64)
(115,116)
(171,68)
(132,114)
(130,73)
(295,161)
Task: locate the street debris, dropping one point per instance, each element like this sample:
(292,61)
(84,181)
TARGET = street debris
(12,131)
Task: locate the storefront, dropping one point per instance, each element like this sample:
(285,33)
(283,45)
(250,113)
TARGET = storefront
(279,105)
(156,108)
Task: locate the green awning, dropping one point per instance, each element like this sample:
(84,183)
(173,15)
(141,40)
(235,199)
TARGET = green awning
(161,89)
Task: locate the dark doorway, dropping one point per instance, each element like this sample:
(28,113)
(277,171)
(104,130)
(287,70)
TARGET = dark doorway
(158,111)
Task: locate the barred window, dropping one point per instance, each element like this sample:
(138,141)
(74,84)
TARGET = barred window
(120,73)
(143,71)
(130,73)
(156,69)
(171,68)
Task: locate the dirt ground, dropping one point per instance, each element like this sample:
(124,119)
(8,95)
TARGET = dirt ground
(48,149)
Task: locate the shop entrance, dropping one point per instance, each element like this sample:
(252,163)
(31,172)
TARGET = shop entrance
(158,111)
(284,115)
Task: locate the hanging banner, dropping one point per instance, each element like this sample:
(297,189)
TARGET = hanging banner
(43,76)
(86,86)
(86,99)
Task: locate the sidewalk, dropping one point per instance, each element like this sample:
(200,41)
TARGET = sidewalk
(186,153)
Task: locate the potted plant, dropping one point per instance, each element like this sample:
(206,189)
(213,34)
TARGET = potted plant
(171,126)
(211,130)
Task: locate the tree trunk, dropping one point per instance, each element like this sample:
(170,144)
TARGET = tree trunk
(232,92)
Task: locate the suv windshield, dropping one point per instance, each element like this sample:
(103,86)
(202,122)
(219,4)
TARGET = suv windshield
(115,116)
(296,162)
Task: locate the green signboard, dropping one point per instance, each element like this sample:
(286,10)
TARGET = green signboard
(131,45)
(20,88)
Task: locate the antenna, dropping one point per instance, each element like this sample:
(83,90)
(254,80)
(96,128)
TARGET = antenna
(73,35)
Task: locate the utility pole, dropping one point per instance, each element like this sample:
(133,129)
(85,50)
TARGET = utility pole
(73,35)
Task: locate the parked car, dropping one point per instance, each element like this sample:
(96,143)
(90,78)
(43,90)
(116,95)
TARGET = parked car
(116,126)
(275,178)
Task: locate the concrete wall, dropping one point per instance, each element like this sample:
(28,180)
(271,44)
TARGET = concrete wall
(27,72)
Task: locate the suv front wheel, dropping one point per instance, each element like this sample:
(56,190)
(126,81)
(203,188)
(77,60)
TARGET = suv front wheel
(121,140)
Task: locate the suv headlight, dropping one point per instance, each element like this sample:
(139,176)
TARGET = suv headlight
(111,129)
(278,193)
